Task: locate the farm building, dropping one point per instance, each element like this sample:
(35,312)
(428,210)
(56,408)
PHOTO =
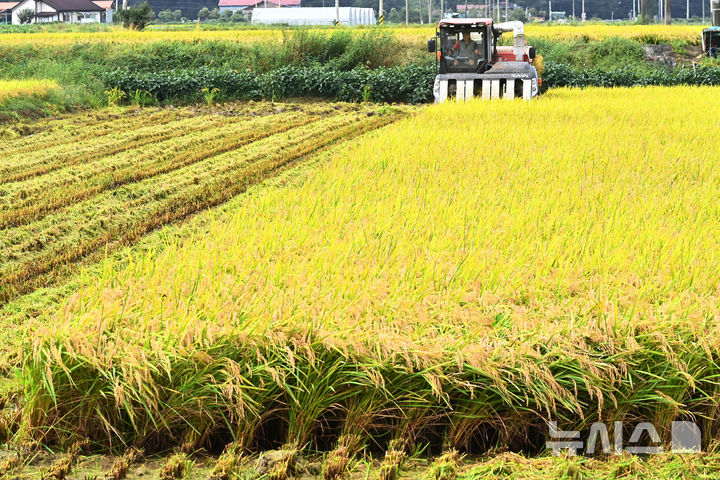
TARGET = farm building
(247,5)
(109,7)
(69,11)
(313,16)
(6,9)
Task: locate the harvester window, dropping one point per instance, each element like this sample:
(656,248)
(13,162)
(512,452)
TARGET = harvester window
(462,51)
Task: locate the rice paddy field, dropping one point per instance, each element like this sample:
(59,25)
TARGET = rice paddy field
(275,290)
(415,34)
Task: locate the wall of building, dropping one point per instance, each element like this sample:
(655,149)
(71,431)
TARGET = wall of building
(25,4)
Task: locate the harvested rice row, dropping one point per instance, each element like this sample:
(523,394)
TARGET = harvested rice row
(28,201)
(52,133)
(72,226)
(123,215)
(23,166)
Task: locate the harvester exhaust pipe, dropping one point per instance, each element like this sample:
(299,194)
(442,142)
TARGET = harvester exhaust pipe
(518,30)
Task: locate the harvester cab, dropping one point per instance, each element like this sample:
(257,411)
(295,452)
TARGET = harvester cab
(470,62)
(711,36)
(711,42)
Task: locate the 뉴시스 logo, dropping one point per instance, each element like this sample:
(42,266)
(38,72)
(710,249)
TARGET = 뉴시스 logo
(685,437)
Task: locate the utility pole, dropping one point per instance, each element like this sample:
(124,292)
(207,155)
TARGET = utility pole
(506,9)
(430,11)
(407,12)
(573,15)
(442,9)
(668,13)
(687,9)
(380,10)
(643,9)
(582,14)
(337,12)
(550,10)
(420,9)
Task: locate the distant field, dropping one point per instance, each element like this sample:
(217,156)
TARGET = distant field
(644,33)
(456,279)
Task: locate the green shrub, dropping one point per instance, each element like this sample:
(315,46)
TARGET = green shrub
(409,84)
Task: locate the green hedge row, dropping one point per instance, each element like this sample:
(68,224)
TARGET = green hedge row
(562,75)
(408,84)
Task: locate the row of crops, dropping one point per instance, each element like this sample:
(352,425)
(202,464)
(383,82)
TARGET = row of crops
(453,281)
(82,185)
(233,464)
(588,32)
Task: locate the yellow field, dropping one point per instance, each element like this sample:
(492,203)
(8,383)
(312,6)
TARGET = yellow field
(648,33)
(17,88)
(478,267)
(542,214)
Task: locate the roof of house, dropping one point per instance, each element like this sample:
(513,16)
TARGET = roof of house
(252,3)
(8,5)
(73,5)
(104,4)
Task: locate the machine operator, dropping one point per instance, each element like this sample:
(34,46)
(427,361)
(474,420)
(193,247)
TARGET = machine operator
(466,48)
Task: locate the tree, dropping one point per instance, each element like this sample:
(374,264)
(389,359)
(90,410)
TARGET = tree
(214,14)
(177,15)
(203,14)
(165,16)
(26,16)
(394,16)
(135,17)
(238,16)
(668,15)
(226,15)
(518,14)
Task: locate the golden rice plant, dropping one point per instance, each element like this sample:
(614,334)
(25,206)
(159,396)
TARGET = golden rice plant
(19,88)
(483,266)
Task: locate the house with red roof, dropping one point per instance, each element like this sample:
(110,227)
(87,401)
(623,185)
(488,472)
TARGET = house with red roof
(68,11)
(108,6)
(247,5)
(6,9)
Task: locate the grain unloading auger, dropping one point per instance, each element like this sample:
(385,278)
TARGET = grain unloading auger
(470,63)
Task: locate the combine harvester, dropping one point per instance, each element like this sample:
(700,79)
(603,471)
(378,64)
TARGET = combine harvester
(711,36)
(470,62)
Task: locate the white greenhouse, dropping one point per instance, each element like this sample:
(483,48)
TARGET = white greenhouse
(313,16)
